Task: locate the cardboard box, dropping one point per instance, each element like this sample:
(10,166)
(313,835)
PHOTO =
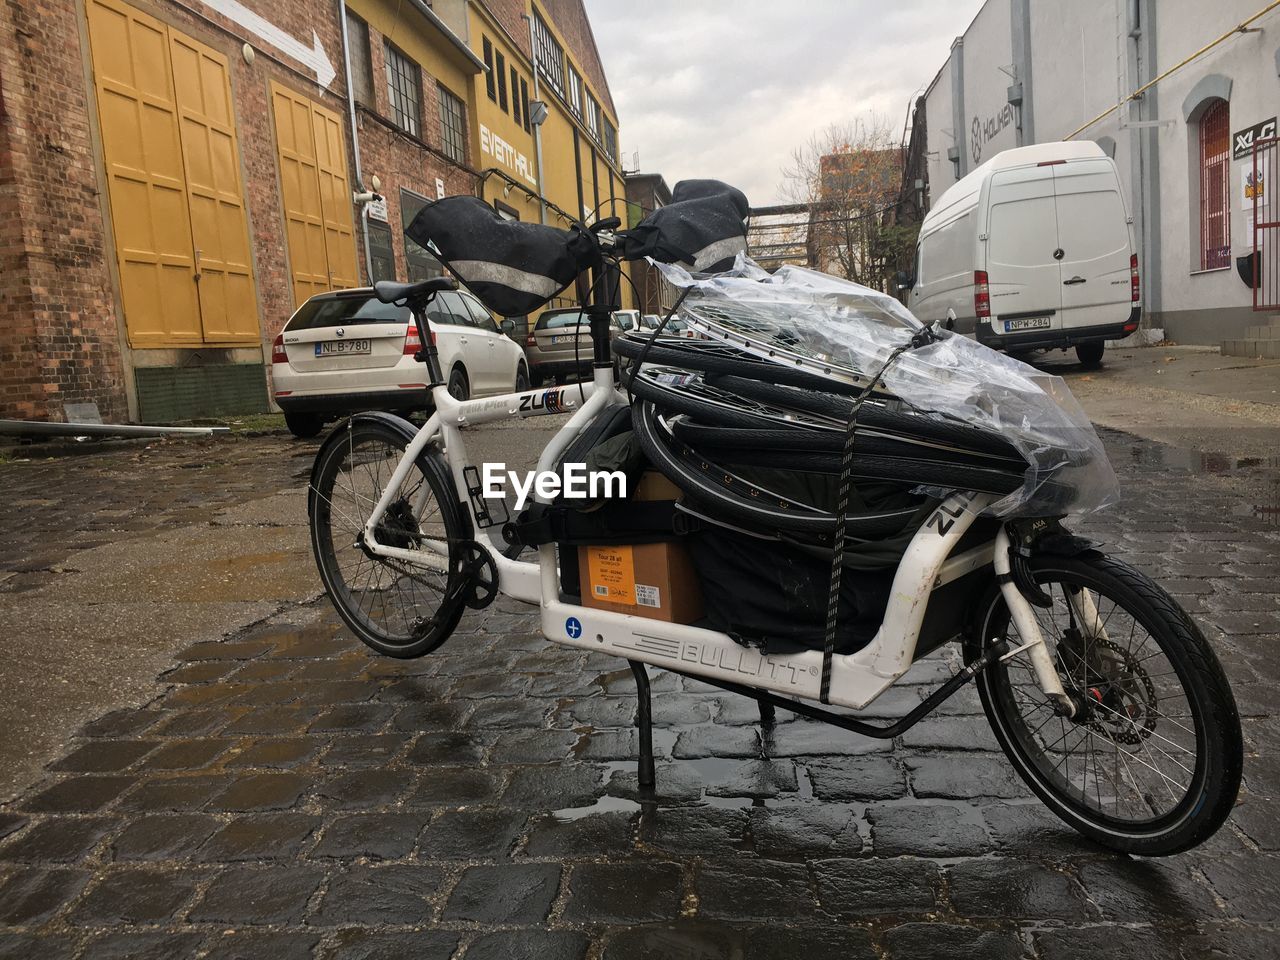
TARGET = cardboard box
(652,485)
(653,580)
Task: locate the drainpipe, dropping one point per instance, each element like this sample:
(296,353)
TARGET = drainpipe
(537,127)
(355,141)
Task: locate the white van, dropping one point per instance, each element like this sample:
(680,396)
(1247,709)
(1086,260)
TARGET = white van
(1032,250)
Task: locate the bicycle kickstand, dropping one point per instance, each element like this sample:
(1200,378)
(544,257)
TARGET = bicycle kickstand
(644,720)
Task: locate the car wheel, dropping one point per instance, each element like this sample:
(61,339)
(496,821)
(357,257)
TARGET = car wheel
(535,379)
(560,380)
(459,388)
(1090,354)
(304,426)
(522,379)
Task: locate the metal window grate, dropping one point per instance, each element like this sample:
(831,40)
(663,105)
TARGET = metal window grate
(575,91)
(549,54)
(404,89)
(453,127)
(1215,187)
(490,84)
(361,63)
(610,140)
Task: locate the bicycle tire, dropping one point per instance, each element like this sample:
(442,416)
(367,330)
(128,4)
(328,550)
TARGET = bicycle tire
(839,410)
(676,400)
(752,505)
(868,443)
(1214,782)
(421,627)
(716,357)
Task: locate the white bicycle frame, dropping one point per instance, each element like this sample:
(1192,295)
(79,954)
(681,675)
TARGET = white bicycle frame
(856,678)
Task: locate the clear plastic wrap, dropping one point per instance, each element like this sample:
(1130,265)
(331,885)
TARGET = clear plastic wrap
(852,330)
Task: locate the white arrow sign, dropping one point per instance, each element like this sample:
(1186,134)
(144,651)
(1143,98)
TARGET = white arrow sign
(312,57)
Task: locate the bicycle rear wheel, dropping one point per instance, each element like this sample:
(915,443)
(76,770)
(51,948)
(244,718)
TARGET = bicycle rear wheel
(1151,762)
(397,607)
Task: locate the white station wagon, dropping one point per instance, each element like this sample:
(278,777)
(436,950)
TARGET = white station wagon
(345,350)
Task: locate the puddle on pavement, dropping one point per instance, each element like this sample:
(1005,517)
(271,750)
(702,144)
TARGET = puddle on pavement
(1261,475)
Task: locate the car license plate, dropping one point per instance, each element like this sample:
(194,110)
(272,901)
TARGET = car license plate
(566,338)
(1027,323)
(333,348)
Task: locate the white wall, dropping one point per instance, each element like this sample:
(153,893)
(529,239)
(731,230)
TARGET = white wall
(1082,64)
(938,120)
(989,120)
(1249,60)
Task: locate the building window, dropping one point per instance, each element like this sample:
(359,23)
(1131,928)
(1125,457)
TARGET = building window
(361,63)
(453,127)
(1215,173)
(610,140)
(524,104)
(489,84)
(593,117)
(515,96)
(575,91)
(500,71)
(404,89)
(422,263)
(381,255)
(548,54)
(1215,186)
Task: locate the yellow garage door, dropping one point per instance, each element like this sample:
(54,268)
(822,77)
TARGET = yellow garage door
(316,194)
(173,172)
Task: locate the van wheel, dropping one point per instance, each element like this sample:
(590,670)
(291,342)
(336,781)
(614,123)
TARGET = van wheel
(304,426)
(1090,354)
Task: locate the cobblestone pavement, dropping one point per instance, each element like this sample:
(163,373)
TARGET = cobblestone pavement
(291,795)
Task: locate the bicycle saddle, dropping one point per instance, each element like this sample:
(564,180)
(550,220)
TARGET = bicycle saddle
(390,292)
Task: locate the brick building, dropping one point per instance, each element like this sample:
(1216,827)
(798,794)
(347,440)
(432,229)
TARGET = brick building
(177,175)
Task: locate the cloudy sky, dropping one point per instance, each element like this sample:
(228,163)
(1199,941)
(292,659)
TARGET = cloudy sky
(726,90)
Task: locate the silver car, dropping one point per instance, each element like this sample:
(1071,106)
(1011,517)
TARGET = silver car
(559,346)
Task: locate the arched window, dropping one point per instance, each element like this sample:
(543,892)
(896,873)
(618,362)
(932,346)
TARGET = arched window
(1215,186)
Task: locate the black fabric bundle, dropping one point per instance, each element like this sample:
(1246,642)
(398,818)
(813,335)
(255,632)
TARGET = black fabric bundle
(513,267)
(703,228)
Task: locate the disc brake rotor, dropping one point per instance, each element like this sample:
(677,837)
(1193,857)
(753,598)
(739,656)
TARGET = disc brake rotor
(1121,707)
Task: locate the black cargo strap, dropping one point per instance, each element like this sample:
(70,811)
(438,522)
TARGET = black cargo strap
(922,336)
(628,521)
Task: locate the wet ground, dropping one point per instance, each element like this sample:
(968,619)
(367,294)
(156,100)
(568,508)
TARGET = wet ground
(282,792)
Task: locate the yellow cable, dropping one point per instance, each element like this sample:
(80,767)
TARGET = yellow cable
(1203,50)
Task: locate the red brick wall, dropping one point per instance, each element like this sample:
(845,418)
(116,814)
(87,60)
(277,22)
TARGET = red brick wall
(58,336)
(400,160)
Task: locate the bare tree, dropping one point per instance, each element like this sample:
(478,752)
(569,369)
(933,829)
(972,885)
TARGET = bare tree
(848,176)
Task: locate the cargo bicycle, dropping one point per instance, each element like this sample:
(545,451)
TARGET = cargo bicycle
(1102,692)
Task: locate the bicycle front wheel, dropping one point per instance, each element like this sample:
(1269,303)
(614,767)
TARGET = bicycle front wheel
(399,607)
(1151,762)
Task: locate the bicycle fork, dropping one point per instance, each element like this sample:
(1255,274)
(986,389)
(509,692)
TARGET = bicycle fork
(1024,619)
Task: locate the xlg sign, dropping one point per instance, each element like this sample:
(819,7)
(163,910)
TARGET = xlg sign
(1243,140)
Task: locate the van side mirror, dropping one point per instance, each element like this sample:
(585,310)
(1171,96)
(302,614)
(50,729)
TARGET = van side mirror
(508,326)
(905,280)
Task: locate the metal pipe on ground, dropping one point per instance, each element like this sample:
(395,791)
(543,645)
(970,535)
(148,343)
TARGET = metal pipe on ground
(35,428)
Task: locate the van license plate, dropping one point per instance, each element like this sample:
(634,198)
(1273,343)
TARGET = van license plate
(333,348)
(1026,323)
